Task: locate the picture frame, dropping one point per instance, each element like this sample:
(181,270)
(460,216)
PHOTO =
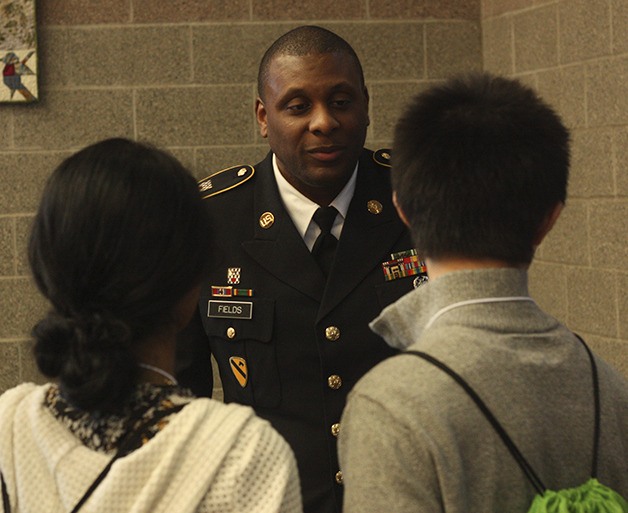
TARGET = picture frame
(18,52)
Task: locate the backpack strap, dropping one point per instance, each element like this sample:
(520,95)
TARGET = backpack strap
(512,447)
(596,405)
(514,450)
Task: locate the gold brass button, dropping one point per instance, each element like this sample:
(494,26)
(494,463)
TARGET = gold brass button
(334,382)
(231,333)
(374,207)
(339,477)
(335,429)
(332,333)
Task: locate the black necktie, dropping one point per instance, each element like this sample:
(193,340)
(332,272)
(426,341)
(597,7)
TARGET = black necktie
(325,244)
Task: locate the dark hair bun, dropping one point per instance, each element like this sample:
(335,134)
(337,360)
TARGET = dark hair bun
(89,355)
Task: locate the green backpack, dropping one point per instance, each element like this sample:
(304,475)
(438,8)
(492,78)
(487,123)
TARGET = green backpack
(590,497)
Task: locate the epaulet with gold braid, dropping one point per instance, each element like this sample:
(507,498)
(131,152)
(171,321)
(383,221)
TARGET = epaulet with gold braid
(225,180)
(382,157)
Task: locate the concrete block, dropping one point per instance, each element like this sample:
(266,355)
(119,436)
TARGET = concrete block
(499,7)
(622,305)
(621,160)
(536,39)
(124,56)
(83,12)
(592,307)
(297,10)
(564,90)
(185,155)
(591,163)
(195,116)
(568,242)
(21,306)
(387,104)
(7,246)
(498,51)
(444,9)
(614,352)
(9,365)
(75,118)
(23,176)
(230,54)
(619,16)
(195,11)
(387,51)
(28,365)
(6,132)
(609,234)
(23,226)
(55,62)
(452,48)
(548,286)
(585,30)
(607,92)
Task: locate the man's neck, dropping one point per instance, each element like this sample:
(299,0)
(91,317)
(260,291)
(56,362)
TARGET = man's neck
(440,267)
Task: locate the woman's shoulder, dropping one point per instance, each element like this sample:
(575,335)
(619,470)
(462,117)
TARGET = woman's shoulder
(16,395)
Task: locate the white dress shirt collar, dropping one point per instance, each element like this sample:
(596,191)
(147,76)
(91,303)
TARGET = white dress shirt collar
(301,209)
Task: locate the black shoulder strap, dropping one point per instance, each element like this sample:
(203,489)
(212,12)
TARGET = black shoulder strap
(131,441)
(514,450)
(596,405)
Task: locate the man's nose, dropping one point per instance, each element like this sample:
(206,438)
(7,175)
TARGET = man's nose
(322,120)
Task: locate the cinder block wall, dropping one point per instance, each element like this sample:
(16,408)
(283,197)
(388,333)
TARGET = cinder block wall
(575,52)
(182,74)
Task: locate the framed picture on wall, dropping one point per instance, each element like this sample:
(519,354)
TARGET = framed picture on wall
(18,51)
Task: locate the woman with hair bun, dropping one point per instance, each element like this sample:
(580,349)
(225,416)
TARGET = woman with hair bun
(119,247)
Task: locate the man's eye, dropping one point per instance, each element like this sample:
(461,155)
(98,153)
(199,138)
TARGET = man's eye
(297,107)
(341,102)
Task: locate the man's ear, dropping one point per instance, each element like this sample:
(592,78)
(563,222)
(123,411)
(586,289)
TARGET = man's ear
(548,222)
(401,213)
(260,115)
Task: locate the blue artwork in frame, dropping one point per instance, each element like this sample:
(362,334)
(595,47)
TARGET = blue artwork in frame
(18,51)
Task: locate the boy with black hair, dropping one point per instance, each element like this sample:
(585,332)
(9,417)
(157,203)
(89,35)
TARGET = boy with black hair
(480,170)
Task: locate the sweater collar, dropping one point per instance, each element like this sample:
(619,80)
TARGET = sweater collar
(402,323)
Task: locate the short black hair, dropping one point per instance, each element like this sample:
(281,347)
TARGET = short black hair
(305,40)
(120,237)
(478,163)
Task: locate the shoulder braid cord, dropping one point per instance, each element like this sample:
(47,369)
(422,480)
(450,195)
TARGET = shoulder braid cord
(514,450)
(131,441)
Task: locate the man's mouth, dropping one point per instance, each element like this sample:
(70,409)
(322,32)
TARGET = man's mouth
(326,153)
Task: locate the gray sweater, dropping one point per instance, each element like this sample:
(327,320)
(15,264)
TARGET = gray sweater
(413,441)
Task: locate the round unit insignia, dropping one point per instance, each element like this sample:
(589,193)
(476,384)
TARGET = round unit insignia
(419,280)
(374,207)
(266,220)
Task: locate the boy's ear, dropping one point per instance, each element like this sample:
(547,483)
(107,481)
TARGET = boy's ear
(401,213)
(548,222)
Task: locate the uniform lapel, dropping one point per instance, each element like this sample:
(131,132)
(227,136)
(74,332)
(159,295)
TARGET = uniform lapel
(366,237)
(280,248)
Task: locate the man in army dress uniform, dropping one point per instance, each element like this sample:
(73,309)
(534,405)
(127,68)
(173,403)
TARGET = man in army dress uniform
(291,336)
